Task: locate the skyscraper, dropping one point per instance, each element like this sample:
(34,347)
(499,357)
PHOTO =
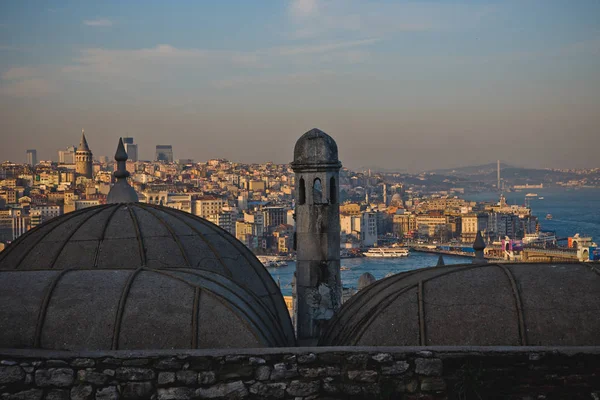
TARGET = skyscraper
(164,152)
(32,157)
(67,156)
(83,158)
(130,148)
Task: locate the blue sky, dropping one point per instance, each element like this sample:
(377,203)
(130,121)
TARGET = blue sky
(405,85)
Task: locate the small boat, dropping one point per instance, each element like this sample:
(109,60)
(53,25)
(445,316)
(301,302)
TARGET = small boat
(548,216)
(344,268)
(541,198)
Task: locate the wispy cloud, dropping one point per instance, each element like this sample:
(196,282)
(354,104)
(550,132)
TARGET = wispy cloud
(149,64)
(28,81)
(325,47)
(277,79)
(319,18)
(99,22)
(303,8)
(35,87)
(20,73)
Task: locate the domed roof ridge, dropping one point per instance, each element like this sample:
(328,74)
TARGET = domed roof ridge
(501,302)
(49,226)
(129,236)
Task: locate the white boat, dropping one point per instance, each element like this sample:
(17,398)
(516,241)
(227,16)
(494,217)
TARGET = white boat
(531,195)
(387,252)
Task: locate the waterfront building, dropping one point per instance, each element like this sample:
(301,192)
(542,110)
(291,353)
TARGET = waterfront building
(469,228)
(430,225)
(368,229)
(164,153)
(404,223)
(84,158)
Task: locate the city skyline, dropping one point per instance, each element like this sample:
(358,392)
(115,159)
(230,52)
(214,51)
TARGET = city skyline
(399,85)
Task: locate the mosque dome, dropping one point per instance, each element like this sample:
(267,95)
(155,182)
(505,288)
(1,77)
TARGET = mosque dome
(315,147)
(474,305)
(136,276)
(396,199)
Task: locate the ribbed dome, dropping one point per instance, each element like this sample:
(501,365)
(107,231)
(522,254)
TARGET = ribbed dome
(396,199)
(108,252)
(474,305)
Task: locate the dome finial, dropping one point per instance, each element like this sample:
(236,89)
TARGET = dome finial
(479,246)
(121,192)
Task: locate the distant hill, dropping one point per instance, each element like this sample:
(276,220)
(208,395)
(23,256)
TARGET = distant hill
(473,169)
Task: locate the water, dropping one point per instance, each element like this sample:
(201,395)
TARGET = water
(573,211)
(378,267)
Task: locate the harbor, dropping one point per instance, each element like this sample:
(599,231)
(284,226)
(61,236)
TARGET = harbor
(378,267)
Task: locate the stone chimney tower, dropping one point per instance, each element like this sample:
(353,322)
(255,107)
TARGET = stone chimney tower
(83,158)
(318,283)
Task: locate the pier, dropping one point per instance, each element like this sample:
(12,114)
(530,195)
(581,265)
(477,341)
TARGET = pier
(528,254)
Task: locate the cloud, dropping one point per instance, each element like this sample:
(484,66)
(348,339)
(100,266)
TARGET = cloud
(164,60)
(277,79)
(99,22)
(303,8)
(34,87)
(325,47)
(20,73)
(322,18)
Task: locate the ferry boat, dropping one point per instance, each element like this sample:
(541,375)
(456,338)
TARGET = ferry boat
(387,252)
(548,216)
(531,195)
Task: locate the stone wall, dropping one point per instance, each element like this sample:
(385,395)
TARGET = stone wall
(304,373)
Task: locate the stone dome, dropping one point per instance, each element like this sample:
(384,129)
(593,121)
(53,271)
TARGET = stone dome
(474,305)
(138,276)
(365,280)
(315,147)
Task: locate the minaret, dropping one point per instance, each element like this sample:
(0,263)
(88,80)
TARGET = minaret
(83,158)
(318,284)
(121,192)
(385,194)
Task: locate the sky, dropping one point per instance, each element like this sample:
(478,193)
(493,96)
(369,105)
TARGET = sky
(402,85)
